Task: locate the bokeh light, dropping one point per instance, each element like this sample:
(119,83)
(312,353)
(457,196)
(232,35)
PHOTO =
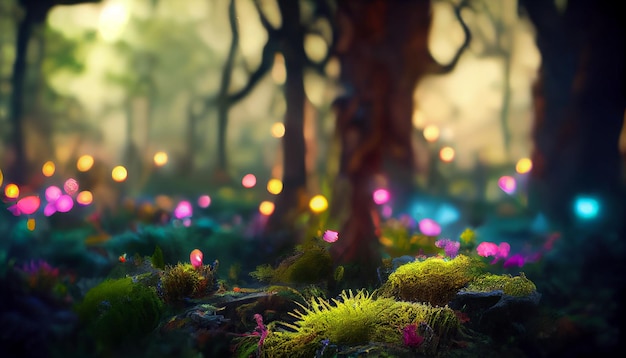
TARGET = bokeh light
(381,196)
(507,184)
(70,186)
(160,159)
(11,191)
(31,224)
(274,186)
(49,209)
(119,173)
(523,166)
(64,203)
(28,205)
(204,201)
(1,177)
(431,133)
(266,208)
(446,154)
(586,207)
(85,197)
(84,163)
(278,130)
(318,204)
(248,181)
(429,227)
(53,193)
(48,169)
(183,210)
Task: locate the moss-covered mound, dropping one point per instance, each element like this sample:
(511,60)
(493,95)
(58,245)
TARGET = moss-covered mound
(509,285)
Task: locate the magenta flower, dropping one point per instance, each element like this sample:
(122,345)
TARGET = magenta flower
(498,252)
(451,248)
(515,260)
(410,336)
(330,236)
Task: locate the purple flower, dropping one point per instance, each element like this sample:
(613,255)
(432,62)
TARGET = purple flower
(450,247)
(515,260)
(410,336)
(330,236)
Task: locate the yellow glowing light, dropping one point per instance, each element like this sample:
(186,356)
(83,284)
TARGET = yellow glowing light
(274,186)
(11,191)
(278,130)
(446,154)
(431,133)
(279,72)
(112,22)
(1,177)
(84,163)
(48,169)
(523,165)
(160,159)
(30,224)
(266,208)
(318,204)
(119,173)
(84,197)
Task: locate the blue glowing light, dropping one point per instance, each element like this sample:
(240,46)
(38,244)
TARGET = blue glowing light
(586,207)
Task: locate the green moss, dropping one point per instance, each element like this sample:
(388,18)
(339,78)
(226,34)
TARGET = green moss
(510,285)
(434,280)
(119,312)
(157,258)
(184,281)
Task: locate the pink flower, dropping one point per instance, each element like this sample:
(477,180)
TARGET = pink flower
(498,252)
(450,247)
(515,260)
(330,236)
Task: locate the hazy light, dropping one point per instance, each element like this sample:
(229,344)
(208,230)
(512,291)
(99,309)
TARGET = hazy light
(84,163)
(85,197)
(387,211)
(204,201)
(418,119)
(266,208)
(586,207)
(28,205)
(49,209)
(507,184)
(70,186)
(1,177)
(164,202)
(429,227)
(160,159)
(64,204)
(431,133)
(30,224)
(183,210)
(446,154)
(523,165)
(279,73)
(318,204)
(11,191)
(48,169)
(53,193)
(119,173)
(381,196)
(274,186)
(113,18)
(278,130)
(248,181)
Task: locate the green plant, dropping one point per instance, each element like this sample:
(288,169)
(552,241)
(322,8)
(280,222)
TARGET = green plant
(184,281)
(510,285)
(157,258)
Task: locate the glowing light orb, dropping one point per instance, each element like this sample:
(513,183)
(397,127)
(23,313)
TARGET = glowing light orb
(49,209)
(53,193)
(274,186)
(248,181)
(429,227)
(48,169)
(318,204)
(85,197)
(160,159)
(278,130)
(28,205)
(64,203)
(196,258)
(84,163)
(119,173)
(11,191)
(523,166)
(586,207)
(431,133)
(507,184)
(381,196)
(1,177)
(183,210)
(266,208)
(70,186)
(30,224)
(113,19)
(387,211)
(446,154)
(204,201)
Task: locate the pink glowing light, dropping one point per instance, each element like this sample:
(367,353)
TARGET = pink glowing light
(507,184)
(196,258)
(183,210)
(330,236)
(28,205)
(204,201)
(53,193)
(381,196)
(70,186)
(64,203)
(429,227)
(387,211)
(248,181)
(486,249)
(49,209)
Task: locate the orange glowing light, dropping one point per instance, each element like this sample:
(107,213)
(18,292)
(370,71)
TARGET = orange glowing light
(160,159)
(11,191)
(274,186)
(446,154)
(85,197)
(119,173)
(523,165)
(48,168)
(84,163)
(431,133)
(1,177)
(318,204)
(266,208)
(278,130)
(248,181)
(30,224)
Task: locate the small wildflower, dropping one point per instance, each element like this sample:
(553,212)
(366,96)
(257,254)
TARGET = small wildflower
(330,236)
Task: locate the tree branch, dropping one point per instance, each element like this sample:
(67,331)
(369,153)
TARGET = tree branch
(442,69)
(271,31)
